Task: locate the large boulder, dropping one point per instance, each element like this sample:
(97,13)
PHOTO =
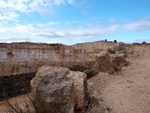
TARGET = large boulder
(53,90)
(60,90)
(81,89)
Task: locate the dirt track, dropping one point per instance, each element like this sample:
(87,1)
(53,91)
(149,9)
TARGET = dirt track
(128,91)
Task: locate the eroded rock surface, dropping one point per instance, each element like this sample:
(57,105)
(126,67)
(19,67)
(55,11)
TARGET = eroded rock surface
(105,64)
(60,90)
(81,89)
(118,59)
(110,62)
(18,58)
(26,57)
(54,90)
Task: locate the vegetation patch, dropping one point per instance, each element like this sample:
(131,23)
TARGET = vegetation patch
(89,72)
(14,85)
(78,68)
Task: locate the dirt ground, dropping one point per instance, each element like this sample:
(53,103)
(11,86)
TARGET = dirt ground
(125,92)
(20,100)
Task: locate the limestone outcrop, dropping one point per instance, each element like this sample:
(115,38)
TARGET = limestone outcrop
(94,47)
(81,89)
(111,62)
(53,90)
(60,90)
(105,64)
(118,59)
(18,58)
(26,57)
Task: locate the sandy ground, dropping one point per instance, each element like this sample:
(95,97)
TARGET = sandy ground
(129,90)
(20,100)
(125,92)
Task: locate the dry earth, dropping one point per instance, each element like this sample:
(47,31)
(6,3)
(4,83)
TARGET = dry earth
(125,92)
(20,100)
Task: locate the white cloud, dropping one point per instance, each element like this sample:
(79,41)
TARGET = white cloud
(19,39)
(9,8)
(102,30)
(9,16)
(112,19)
(47,24)
(70,1)
(133,26)
(138,26)
(51,23)
(55,33)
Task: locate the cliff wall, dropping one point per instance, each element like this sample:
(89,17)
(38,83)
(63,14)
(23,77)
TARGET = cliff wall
(18,58)
(94,47)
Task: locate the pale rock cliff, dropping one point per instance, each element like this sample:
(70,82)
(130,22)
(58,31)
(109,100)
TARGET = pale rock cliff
(26,57)
(94,47)
(17,58)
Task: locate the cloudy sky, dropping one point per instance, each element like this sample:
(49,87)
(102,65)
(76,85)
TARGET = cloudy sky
(74,21)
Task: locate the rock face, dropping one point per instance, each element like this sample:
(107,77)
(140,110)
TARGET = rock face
(110,62)
(81,89)
(105,64)
(18,58)
(54,90)
(26,57)
(94,47)
(60,90)
(118,59)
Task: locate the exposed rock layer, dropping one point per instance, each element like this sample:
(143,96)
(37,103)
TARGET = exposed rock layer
(53,90)
(58,89)
(18,58)
(81,89)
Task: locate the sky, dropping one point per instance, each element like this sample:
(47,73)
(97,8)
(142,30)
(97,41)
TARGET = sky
(74,21)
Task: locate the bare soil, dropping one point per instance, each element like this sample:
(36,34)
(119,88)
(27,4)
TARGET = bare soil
(127,91)
(19,101)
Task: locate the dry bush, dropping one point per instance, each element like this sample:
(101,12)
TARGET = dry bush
(17,107)
(15,85)
(28,105)
(78,68)
(23,104)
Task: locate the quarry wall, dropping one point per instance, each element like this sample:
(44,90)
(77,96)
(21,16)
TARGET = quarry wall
(18,58)
(94,47)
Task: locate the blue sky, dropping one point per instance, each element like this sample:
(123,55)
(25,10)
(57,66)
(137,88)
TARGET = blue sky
(74,21)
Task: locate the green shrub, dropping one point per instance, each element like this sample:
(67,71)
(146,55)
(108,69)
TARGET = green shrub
(15,85)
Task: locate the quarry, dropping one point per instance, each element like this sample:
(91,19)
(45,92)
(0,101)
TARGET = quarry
(92,77)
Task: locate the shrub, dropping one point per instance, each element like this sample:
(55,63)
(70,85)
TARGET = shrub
(28,105)
(115,41)
(78,68)
(15,85)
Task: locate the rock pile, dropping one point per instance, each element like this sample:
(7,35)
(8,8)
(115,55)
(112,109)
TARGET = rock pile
(60,90)
(105,64)
(111,62)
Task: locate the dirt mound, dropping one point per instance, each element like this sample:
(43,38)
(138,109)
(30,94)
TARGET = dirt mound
(128,91)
